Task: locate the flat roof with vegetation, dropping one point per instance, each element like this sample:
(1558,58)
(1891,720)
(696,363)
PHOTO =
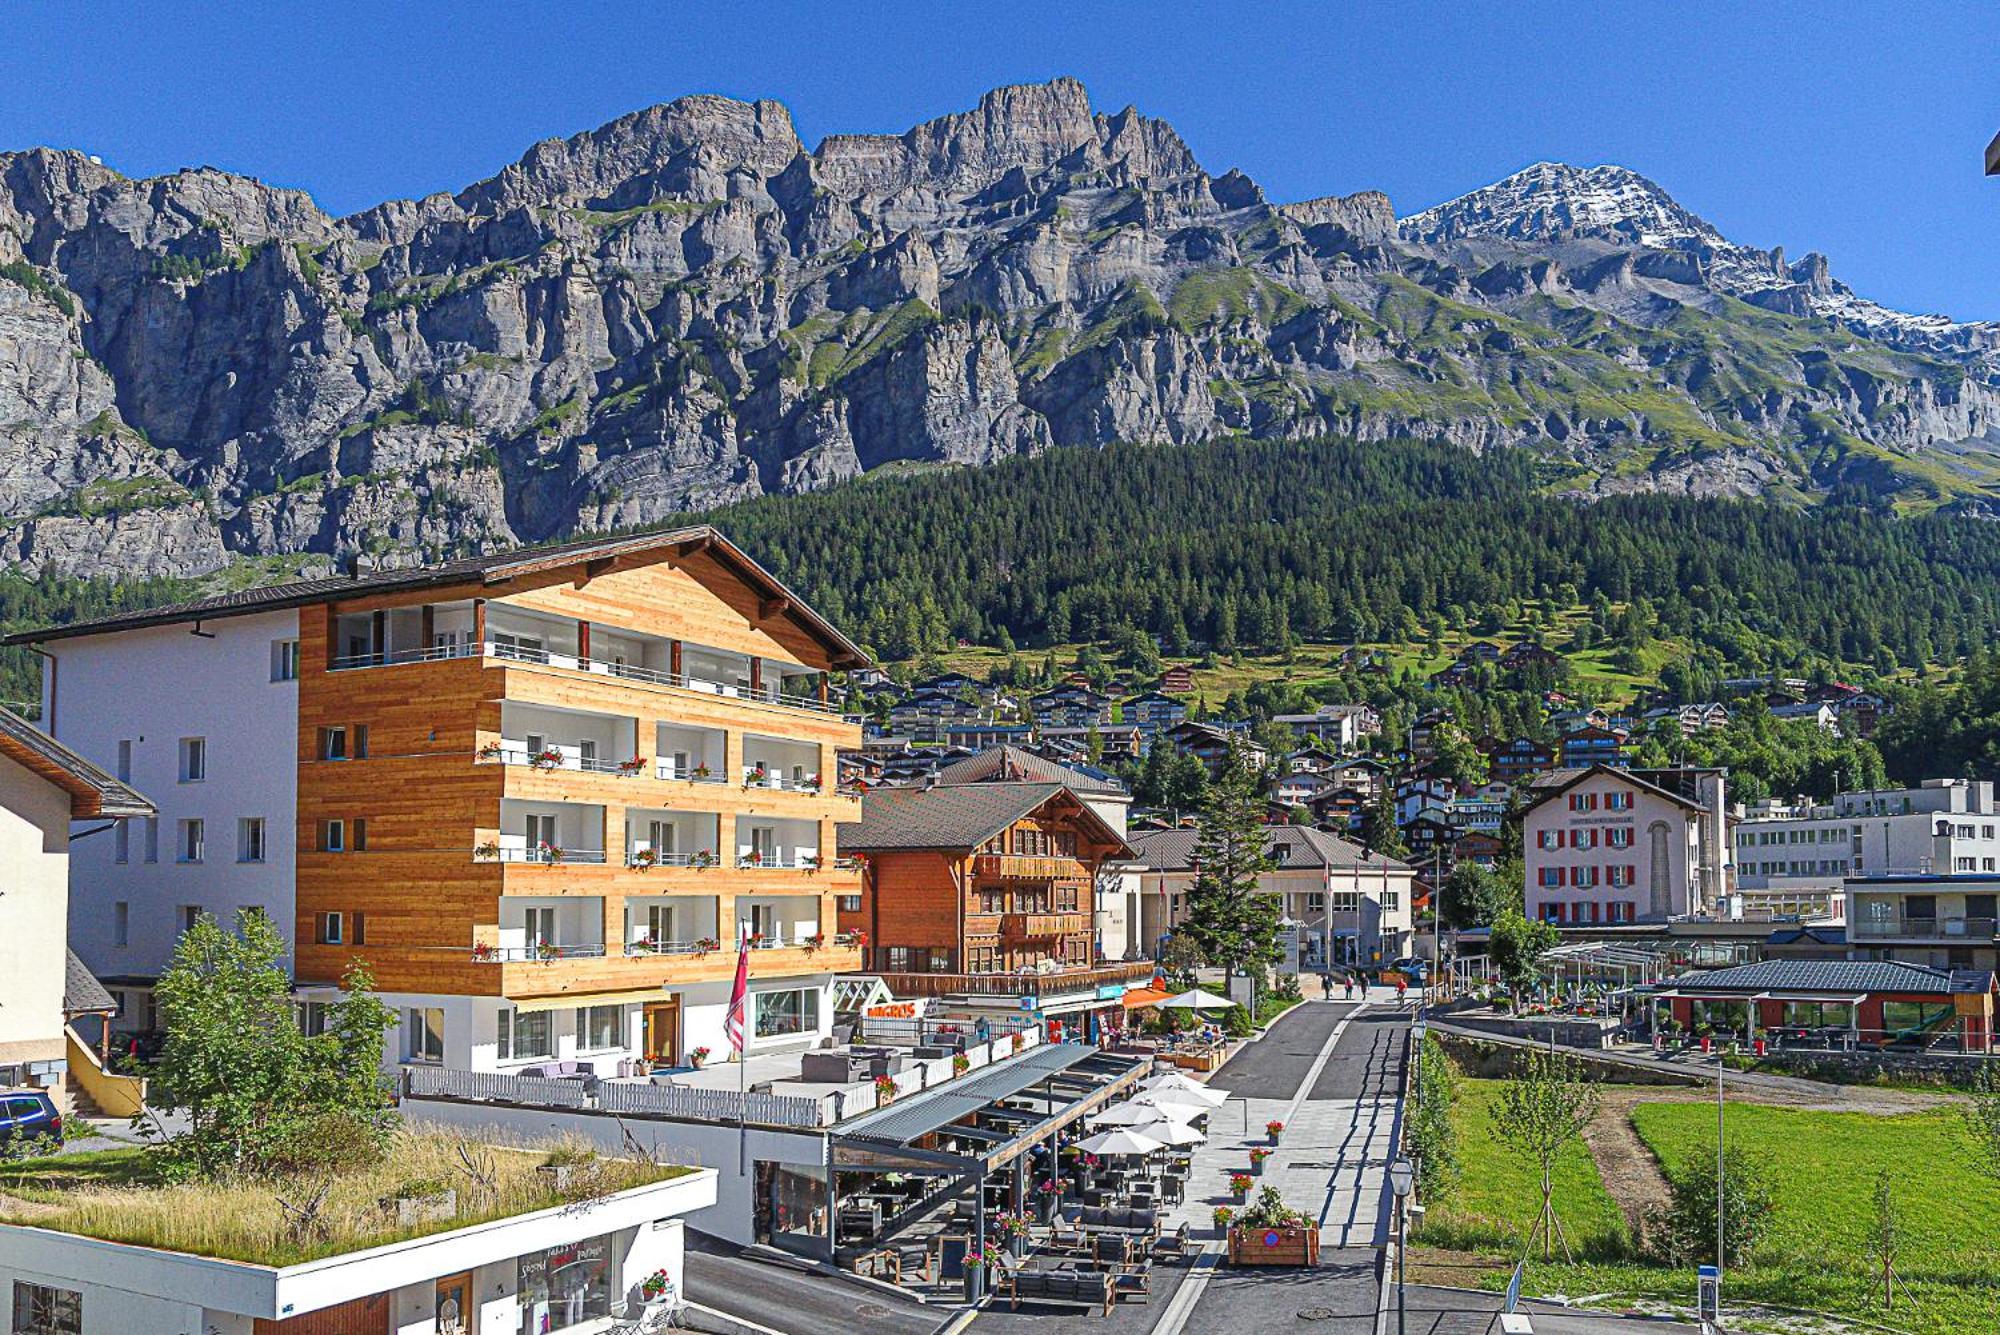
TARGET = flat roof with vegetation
(122,1196)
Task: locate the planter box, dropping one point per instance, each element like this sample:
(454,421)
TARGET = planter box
(415,1211)
(1273,1246)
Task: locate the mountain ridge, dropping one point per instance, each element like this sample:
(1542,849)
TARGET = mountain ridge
(684,307)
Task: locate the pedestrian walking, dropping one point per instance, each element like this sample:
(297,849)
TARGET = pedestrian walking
(1349,981)
(1326,987)
(1402,987)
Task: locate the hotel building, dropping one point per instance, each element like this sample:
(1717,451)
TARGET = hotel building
(539,795)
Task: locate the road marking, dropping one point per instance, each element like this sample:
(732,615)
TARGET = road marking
(1174,1319)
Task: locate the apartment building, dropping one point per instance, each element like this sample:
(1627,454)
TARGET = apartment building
(43,787)
(1945,922)
(1341,727)
(983,892)
(540,795)
(1345,905)
(1605,845)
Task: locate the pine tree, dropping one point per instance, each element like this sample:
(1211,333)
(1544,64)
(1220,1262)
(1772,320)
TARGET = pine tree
(1231,920)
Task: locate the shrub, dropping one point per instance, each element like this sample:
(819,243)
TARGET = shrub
(1684,1233)
(1432,1132)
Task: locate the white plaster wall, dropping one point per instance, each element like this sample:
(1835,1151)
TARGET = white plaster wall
(34,902)
(153,687)
(108,1310)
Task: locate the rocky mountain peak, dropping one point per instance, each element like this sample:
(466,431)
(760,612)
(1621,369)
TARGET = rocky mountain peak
(1553,200)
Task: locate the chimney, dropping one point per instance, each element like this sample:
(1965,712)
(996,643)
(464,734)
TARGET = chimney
(359,566)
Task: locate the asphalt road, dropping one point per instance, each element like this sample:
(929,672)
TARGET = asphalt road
(796,1302)
(1274,1066)
(1368,1061)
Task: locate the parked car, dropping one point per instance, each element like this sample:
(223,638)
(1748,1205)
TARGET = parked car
(1416,970)
(26,1114)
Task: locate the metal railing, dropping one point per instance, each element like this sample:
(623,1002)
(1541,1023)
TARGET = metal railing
(539,953)
(1938,928)
(590,1094)
(752,778)
(548,857)
(667,769)
(555,758)
(700,946)
(1060,983)
(638,858)
(781,861)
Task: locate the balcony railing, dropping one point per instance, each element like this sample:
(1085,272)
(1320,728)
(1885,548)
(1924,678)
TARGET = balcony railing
(667,769)
(755,778)
(1926,929)
(545,855)
(1064,982)
(700,946)
(781,861)
(643,858)
(1018,866)
(769,695)
(541,952)
(1029,926)
(555,758)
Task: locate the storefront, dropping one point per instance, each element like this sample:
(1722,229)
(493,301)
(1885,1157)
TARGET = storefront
(565,1286)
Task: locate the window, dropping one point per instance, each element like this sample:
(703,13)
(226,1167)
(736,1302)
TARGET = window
(333,836)
(192,843)
(312,1017)
(423,1034)
(333,743)
(250,839)
(125,762)
(284,660)
(194,759)
(572,1285)
(1392,901)
(190,915)
(600,1028)
(121,844)
(1346,901)
(361,741)
(539,925)
(40,1309)
(329,929)
(121,923)
(525,1036)
(152,838)
(794,1011)
(852,903)
(357,835)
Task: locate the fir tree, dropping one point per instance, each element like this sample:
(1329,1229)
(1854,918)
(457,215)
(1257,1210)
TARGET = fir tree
(1231,920)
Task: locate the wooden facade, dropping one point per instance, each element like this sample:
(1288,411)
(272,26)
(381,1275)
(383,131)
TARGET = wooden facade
(420,905)
(1024,897)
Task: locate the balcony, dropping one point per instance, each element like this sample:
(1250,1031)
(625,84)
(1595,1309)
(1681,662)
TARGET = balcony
(1064,982)
(1036,926)
(512,848)
(1924,929)
(1016,867)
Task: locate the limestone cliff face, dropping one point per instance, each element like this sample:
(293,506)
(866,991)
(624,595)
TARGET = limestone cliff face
(687,306)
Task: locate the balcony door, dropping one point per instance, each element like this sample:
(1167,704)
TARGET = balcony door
(764,843)
(663,836)
(660,923)
(764,921)
(540,925)
(540,830)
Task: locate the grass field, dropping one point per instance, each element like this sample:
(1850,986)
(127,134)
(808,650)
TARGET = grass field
(1822,1170)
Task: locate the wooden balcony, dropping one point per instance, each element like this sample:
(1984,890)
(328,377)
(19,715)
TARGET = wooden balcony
(1066,982)
(619,972)
(1038,926)
(1012,867)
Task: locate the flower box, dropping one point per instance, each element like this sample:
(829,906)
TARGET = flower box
(1250,1245)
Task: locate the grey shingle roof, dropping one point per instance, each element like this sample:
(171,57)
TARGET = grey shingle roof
(1856,976)
(1290,845)
(958,816)
(92,791)
(492,568)
(82,993)
(1014,765)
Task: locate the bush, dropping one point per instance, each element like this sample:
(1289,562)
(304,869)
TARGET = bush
(1684,1233)
(1432,1133)
(1286,988)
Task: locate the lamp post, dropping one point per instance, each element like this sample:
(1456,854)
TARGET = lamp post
(1402,1181)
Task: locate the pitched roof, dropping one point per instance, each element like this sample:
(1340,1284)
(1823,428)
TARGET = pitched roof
(1554,783)
(92,792)
(82,993)
(952,817)
(1012,764)
(492,568)
(1856,976)
(1289,845)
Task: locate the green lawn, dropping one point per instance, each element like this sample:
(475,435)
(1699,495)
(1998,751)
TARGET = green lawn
(1815,1256)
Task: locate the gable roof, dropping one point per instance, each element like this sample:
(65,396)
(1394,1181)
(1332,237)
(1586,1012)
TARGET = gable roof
(82,993)
(1012,764)
(492,568)
(1554,783)
(1836,976)
(956,817)
(91,791)
(1290,846)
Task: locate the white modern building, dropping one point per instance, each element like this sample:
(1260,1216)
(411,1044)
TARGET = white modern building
(1942,827)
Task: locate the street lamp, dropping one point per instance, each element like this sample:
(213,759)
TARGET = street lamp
(1402,1181)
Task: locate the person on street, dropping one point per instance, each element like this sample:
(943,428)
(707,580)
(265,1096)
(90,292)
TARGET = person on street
(1326,987)
(1402,987)
(1349,981)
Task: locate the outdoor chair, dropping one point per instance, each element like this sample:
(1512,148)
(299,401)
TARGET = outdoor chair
(651,1318)
(1177,1245)
(1072,1288)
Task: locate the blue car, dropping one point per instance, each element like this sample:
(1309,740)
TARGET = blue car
(26,1114)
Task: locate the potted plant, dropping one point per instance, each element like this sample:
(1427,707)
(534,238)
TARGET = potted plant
(1274,1129)
(702,859)
(810,783)
(1239,1185)
(546,758)
(977,1257)
(701,771)
(654,1286)
(645,858)
(1257,1158)
(1270,1233)
(812,862)
(698,1058)
(816,940)
(1012,1228)
(1018,1040)
(566,1164)
(1222,1214)
(885,1090)
(754,858)
(483,951)
(758,777)
(488,851)
(706,944)
(960,1063)
(549,853)
(545,950)
(629,768)
(493,750)
(1048,1197)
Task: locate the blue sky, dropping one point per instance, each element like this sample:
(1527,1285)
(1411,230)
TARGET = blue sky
(1851,129)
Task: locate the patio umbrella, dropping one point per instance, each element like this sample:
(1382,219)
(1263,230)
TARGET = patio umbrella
(1170,1132)
(1194,999)
(1117,1142)
(1130,1114)
(1177,1103)
(1179,1083)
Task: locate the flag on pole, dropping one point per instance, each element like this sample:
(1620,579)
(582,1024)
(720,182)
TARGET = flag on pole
(739,994)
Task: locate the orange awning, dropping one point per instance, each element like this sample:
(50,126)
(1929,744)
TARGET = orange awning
(1138,998)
